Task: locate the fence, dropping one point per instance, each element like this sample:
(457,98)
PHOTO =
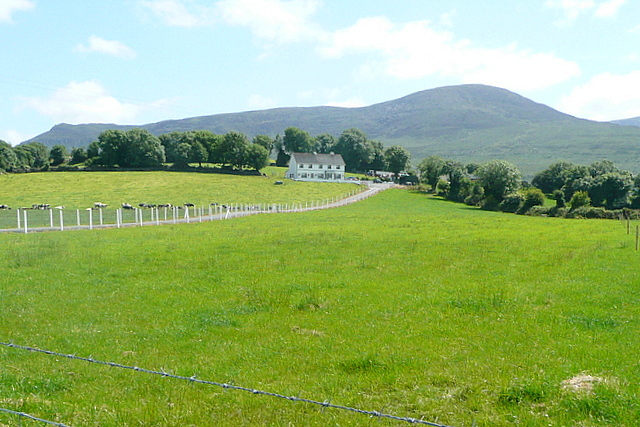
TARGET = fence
(27,220)
(193,379)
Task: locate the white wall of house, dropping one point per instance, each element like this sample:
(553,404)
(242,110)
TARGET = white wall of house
(316,167)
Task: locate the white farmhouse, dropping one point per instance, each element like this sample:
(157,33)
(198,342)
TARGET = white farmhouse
(316,167)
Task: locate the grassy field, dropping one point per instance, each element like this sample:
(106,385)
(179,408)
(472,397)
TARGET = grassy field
(402,303)
(80,190)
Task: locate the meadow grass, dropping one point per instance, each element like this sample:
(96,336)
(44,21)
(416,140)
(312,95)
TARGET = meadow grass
(402,303)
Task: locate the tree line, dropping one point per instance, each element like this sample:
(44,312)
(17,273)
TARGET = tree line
(138,148)
(578,190)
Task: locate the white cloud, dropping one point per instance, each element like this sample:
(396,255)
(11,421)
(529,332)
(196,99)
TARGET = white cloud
(572,9)
(109,47)
(415,50)
(275,21)
(347,103)
(7,7)
(14,137)
(175,13)
(605,97)
(259,102)
(609,8)
(87,102)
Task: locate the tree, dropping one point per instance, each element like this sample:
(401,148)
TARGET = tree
(499,178)
(198,153)
(397,159)
(378,161)
(297,141)
(180,155)
(325,143)
(611,189)
(39,154)
(355,149)
(8,159)
(282,158)
(143,149)
(265,141)
(113,147)
(232,149)
(431,169)
(78,155)
(553,178)
(58,155)
(257,156)
(93,150)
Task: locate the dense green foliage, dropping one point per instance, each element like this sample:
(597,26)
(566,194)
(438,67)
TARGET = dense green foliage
(443,313)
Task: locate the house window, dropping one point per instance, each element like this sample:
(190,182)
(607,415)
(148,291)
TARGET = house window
(301,166)
(319,166)
(329,167)
(337,166)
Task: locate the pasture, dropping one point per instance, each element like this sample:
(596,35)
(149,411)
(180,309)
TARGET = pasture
(402,303)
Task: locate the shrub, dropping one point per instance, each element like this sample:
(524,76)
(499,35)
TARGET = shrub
(489,203)
(558,212)
(558,196)
(579,199)
(538,211)
(532,197)
(511,203)
(442,189)
(588,212)
(476,195)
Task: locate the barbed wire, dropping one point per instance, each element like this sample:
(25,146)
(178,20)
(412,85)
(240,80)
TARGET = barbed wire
(31,417)
(193,379)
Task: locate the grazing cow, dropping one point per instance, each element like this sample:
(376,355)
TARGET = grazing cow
(165,205)
(127,206)
(60,207)
(214,204)
(99,205)
(41,206)
(146,205)
(3,207)
(189,205)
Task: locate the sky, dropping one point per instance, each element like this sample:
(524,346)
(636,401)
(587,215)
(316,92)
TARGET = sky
(144,61)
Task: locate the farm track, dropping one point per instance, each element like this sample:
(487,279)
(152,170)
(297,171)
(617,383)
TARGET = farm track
(228,214)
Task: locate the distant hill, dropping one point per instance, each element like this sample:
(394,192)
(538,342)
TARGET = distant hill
(635,121)
(468,123)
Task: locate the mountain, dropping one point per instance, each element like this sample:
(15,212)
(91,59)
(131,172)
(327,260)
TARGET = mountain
(635,121)
(468,123)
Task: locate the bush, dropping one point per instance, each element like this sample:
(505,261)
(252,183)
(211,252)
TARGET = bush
(489,203)
(579,199)
(511,203)
(558,212)
(538,211)
(588,212)
(532,197)
(476,195)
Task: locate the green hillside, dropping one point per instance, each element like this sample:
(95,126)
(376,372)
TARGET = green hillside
(466,123)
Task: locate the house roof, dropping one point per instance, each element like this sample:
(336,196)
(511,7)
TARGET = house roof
(321,159)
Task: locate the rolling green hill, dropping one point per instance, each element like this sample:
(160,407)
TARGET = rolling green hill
(466,123)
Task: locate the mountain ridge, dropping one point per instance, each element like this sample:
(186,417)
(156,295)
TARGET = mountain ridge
(465,123)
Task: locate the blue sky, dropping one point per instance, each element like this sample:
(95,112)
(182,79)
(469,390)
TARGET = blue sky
(143,61)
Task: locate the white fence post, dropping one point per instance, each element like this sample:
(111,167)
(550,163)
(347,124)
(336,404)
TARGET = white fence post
(101,222)
(78,216)
(90,218)
(19,224)
(26,227)
(61,220)
(50,218)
